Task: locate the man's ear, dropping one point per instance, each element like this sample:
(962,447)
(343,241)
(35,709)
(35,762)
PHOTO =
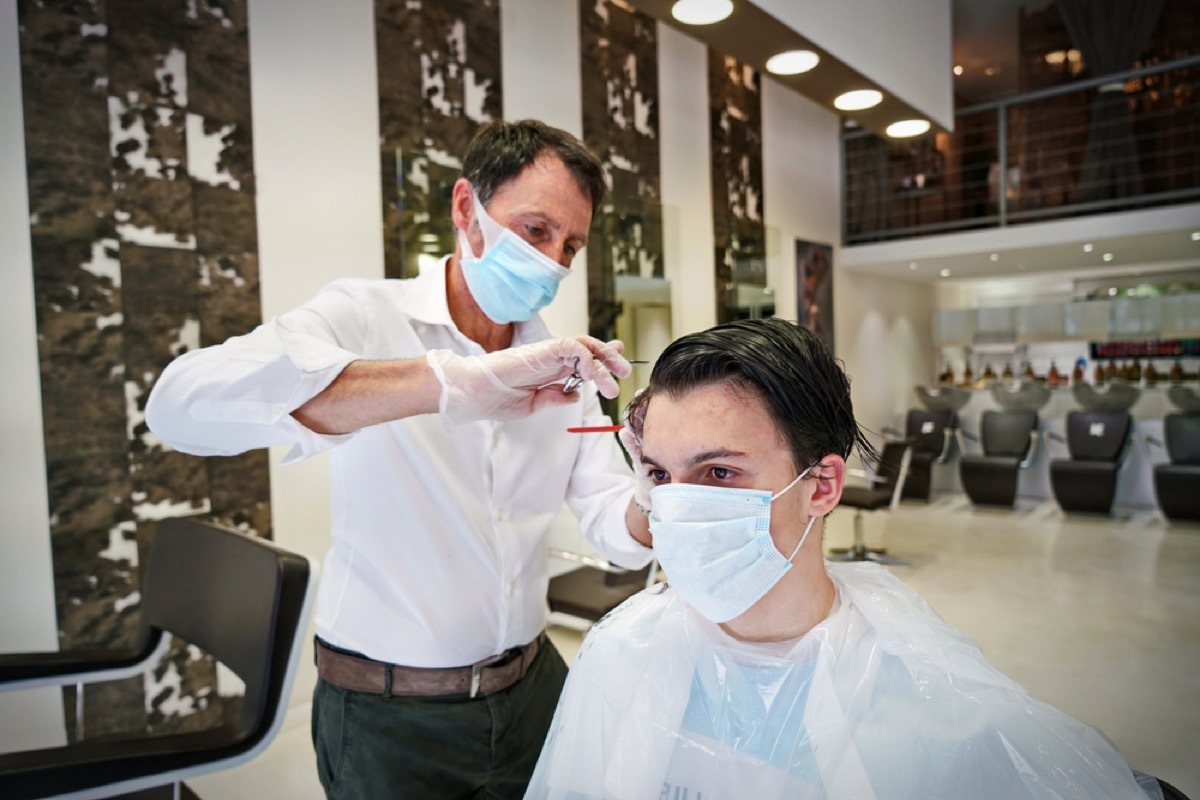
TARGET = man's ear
(462,206)
(830,477)
(462,214)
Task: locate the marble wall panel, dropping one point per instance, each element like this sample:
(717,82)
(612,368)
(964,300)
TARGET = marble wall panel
(735,106)
(619,76)
(142,221)
(439,80)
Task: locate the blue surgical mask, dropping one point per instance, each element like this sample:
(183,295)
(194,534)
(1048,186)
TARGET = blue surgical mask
(512,280)
(715,545)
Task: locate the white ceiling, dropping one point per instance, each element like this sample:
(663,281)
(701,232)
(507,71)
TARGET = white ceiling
(1157,240)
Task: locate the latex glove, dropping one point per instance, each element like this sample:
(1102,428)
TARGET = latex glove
(514,383)
(642,482)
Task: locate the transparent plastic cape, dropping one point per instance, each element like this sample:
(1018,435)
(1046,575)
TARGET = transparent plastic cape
(881,700)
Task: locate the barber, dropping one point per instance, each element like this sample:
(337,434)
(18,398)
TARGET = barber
(441,400)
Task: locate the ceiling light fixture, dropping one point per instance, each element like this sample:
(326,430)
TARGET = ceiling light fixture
(912,265)
(858,100)
(907,127)
(945,273)
(701,12)
(792,62)
(958,69)
(1087,248)
(994,256)
(1108,256)
(1196,236)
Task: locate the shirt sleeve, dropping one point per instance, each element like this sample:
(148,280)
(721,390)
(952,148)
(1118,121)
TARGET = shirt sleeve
(599,493)
(239,395)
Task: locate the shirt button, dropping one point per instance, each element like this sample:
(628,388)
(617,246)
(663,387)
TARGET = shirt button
(500,514)
(512,589)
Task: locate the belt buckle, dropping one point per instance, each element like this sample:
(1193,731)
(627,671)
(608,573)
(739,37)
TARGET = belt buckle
(477,671)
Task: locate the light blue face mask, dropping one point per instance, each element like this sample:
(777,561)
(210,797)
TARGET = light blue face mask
(512,280)
(715,545)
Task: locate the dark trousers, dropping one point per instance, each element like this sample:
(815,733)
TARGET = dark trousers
(371,747)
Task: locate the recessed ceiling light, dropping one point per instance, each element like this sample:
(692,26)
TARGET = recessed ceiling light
(945,273)
(912,265)
(958,69)
(1087,248)
(1112,291)
(1107,256)
(1196,236)
(701,12)
(994,256)
(989,71)
(858,100)
(792,62)
(907,127)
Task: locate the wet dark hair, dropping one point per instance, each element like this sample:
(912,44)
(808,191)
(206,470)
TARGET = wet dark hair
(499,151)
(788,367)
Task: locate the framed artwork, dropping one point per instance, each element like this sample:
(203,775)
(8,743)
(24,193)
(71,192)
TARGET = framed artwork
(814,289)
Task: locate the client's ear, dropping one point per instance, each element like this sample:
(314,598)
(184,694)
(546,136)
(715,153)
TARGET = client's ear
(829,477)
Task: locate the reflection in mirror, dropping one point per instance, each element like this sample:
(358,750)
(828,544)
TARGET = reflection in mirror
(625,282)
(424,183)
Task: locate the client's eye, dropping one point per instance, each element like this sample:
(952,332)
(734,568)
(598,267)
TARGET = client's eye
(659,475)
(722,473)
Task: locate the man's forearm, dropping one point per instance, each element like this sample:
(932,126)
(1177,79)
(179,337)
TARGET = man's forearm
(368,393)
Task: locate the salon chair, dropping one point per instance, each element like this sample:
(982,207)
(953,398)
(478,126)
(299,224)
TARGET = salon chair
(884,489)
(242,600)
(1177,483)
(1009,443)
(1097,442)
(585,594)
(931,432)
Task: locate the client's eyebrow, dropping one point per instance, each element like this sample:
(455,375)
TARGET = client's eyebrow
(720,454)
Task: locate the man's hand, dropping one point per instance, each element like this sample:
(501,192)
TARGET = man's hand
(514,383)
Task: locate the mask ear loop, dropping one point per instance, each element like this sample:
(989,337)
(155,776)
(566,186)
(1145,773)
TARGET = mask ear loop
(807,528)
(811,520)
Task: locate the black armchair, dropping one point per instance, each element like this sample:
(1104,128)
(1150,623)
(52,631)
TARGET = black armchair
(1098,442)
(243,600)
(884,489)
(1177,483)
(931,432)
(583,595)
(1009,443)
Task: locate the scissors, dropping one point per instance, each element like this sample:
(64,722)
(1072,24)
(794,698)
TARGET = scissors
(574,380)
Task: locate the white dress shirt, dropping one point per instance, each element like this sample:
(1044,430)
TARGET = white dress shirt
(439,552)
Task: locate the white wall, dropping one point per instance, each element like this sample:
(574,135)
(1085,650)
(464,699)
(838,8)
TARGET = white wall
(26,573)
(883,330)
(685,166)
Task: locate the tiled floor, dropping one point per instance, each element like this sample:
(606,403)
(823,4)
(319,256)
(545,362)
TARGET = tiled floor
(1100,617)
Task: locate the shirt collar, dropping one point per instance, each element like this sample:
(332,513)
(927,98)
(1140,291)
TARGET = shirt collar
(426,302)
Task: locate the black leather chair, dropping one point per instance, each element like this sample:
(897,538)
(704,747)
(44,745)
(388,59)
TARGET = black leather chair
(931,432)
(1177,483)
(1009,443)
(585,594)
(1098,442)
(242,600)
(884,488)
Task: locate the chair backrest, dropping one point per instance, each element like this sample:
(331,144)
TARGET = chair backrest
(1098,435)
(892,467)
(239,598)
(1007,433)
(926,428)
(1182,435)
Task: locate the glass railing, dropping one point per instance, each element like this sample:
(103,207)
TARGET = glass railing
(1121,142)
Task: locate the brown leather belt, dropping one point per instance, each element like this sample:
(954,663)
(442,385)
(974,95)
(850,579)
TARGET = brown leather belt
(362,674)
